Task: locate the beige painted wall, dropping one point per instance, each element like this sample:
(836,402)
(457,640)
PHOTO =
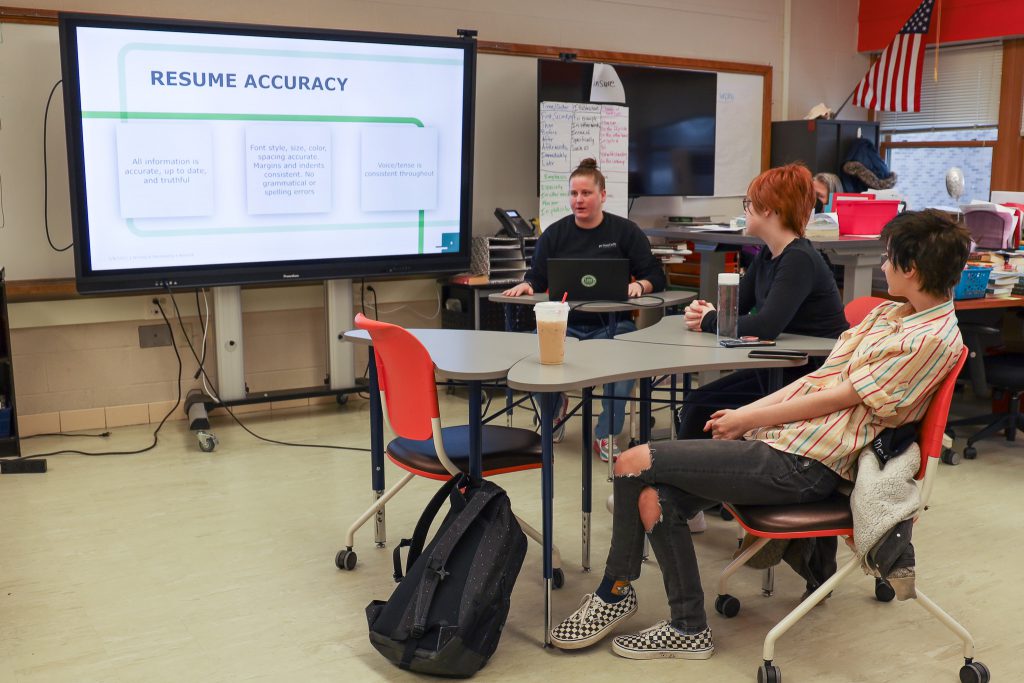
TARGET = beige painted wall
(83,355)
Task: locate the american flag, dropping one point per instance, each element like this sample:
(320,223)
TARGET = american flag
(893,83)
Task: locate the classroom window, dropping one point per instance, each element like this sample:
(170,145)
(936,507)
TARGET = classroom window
(957,126)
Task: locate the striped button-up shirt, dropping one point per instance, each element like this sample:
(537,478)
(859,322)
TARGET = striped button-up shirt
(895,359)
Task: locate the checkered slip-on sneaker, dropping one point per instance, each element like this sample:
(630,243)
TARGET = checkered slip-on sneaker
(661,641)
(594,619)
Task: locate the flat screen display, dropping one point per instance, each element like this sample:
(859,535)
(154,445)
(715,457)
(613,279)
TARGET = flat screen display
(671,122)
(204,154)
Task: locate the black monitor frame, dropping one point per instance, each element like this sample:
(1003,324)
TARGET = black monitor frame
(150,279)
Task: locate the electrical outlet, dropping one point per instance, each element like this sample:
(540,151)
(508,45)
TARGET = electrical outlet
(153,311)
(154,335)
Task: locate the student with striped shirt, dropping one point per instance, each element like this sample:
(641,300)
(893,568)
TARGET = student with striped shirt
(793,446)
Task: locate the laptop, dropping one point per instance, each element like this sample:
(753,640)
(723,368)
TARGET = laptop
(588,279)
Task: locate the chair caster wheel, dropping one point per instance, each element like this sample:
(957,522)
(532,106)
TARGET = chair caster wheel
(207,441)
(557,578)
(974,672)
(727,606)
(724,513)
(345,560)
(767,673)
(950,457)
(883,591)
(342,399)
(970,452)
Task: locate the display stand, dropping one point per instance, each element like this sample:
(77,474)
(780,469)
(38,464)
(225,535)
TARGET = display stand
(231,389)
(9,443)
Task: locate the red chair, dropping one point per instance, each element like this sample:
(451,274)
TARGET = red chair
(832,517)
(857,309)
(424,448)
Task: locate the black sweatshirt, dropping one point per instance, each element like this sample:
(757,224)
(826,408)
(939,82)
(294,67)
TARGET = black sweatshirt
(795,292)
(614,237)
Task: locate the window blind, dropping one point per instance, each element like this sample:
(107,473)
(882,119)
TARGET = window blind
(966,94)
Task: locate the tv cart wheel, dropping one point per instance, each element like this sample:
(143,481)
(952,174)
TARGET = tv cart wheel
(207,441)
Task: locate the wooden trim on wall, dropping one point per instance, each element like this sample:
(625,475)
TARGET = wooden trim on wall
(25,15)
(1008,154)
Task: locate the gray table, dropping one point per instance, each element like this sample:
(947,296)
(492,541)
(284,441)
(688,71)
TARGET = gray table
(672,330)
(595,362)
(658,300)
(859,256)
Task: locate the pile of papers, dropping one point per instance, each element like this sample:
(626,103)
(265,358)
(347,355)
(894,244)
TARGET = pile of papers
(823,225)
(1002,282)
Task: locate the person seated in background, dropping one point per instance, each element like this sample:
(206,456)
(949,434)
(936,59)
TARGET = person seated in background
(793,446)
(591,232)
(825,185)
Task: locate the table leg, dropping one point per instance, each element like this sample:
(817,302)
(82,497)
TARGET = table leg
(711,264)
(857,273)
(376,450)
(476,427)
(547,412)
(609,390)
(645,410)
(588,466)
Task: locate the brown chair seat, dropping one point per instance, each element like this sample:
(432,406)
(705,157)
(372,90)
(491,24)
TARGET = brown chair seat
(505,449)
(828,517)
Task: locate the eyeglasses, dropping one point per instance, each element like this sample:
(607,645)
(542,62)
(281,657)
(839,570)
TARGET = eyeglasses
(747,201)
(885,257)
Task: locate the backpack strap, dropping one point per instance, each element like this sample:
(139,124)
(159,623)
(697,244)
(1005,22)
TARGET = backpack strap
(435,571)
(419,535)
(397,558)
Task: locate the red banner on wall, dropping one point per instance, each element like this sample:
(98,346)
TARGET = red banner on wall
(962,20)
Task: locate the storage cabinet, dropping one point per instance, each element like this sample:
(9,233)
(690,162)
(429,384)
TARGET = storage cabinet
(821,144)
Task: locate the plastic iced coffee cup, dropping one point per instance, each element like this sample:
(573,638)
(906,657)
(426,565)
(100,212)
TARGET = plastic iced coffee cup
(552,319)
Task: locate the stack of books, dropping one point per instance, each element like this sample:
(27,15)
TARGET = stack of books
(1001,282)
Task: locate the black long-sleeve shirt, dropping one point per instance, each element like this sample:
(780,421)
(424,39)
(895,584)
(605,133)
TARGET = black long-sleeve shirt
(794,292)
(614,237)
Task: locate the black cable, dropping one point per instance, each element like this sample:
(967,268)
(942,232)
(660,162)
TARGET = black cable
(204,324)
(46,176)
(102,435)
(376,306)
(221,404)
(156,431)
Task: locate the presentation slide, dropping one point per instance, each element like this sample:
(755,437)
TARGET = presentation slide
(204,148)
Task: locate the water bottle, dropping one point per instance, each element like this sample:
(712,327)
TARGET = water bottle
(728,306)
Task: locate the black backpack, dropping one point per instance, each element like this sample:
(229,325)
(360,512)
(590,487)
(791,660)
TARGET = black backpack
(446,615)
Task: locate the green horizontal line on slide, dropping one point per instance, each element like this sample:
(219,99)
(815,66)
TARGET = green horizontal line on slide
(420,223)
(211,116)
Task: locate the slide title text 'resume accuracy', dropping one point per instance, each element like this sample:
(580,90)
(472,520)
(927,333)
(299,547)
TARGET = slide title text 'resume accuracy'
(209,79)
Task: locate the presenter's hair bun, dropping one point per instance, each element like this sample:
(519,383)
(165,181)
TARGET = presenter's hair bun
(588,163)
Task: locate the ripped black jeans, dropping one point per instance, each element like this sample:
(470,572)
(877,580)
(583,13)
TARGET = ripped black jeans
(691,476)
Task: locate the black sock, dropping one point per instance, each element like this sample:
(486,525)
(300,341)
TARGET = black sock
(612,590)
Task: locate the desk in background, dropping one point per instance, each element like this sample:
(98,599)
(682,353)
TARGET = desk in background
(859,256)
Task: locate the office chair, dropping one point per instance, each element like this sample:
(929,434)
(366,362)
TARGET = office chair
(1003,373)
(860,307)
(424,448)
(990,229)
(832,517)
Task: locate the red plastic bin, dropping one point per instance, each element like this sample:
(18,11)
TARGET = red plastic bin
(866,219)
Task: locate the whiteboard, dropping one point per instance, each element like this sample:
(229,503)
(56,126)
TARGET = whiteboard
(738,122)
(569,133)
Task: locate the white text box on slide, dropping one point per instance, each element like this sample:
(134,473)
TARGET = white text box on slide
(164,170)
(398,168)
(288,169)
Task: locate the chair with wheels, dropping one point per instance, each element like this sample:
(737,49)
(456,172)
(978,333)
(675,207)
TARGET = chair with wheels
(1001,373)
(424,448)
(832,517)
